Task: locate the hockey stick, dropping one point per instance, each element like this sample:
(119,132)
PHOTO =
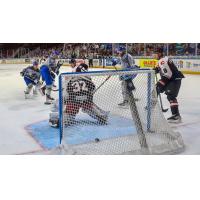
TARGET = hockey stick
(159,95)
(104,81)
(102,84)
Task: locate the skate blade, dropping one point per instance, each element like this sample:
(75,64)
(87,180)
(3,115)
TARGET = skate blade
(53,125)
(35,95)
(48,103)
(124,107)
(29,97)
(174,122)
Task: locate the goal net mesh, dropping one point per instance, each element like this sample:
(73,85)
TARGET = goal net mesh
(92,122)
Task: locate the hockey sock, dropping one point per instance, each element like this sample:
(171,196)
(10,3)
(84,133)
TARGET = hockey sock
(174,107)
(28,89)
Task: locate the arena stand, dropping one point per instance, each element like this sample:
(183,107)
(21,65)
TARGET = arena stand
(185,55)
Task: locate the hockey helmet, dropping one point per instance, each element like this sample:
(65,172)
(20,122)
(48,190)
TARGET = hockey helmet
(35,63)
(72,61)
(51,62)
(82,68)
(121,49)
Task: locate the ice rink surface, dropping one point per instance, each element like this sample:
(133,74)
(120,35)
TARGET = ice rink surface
(17,113)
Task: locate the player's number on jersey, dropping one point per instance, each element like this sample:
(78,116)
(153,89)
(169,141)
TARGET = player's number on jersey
(79,86)
(165,70)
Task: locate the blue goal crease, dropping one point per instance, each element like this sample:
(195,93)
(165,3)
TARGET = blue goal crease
(81,133)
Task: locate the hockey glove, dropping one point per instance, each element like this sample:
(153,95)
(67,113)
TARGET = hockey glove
(127,77)
(22,73)
(160,87)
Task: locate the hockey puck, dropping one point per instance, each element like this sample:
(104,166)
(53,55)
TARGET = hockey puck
(97,139)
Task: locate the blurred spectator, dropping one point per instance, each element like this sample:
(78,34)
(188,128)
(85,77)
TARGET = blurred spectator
(90,58)
(94,50)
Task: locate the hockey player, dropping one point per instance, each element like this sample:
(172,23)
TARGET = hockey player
(42,60)
(79,96)
(169,83)
(31,76)
(127,63)
(72,62)
(53,72)
(77,63)
(46,72)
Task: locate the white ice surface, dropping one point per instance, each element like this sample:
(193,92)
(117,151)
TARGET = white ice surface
(16,112)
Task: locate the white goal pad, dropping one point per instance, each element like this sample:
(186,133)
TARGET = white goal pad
(92,122)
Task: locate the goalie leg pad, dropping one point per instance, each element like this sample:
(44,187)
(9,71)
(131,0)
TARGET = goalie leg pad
(54,119)
(96,113)
(72,108)
(69,119)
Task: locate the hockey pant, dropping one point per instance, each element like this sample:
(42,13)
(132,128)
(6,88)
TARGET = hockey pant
(172,90)
(29,81)
(46,75)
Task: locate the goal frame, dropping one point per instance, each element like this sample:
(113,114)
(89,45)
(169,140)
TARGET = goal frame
(150,79)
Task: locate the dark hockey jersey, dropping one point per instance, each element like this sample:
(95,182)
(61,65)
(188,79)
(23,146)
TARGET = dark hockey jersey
(168,70)
(80,90)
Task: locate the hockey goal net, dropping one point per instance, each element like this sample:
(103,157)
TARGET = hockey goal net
(92,122)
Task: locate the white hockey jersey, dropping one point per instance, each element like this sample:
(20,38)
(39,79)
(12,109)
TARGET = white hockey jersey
(168,70)
(127,61)
(164,67)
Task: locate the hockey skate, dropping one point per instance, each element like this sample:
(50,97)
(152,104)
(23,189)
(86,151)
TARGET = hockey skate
(27,95)
(175,119)
(49,100)
(124,104)
(102,120)
(54,123)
